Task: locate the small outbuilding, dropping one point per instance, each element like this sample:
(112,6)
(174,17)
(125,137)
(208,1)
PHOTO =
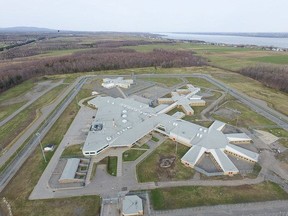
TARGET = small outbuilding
(69,172)
(132,206)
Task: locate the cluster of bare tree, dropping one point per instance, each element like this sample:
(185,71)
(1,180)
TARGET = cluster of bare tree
(43,45)
(96,60)
(271,76)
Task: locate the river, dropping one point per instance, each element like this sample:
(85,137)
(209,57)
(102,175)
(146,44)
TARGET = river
(228,39)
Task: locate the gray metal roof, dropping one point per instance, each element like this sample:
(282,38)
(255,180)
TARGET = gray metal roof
(125,121)
(132,205)
(70,169)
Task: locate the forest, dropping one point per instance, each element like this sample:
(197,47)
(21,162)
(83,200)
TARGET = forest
(20,58)
(272,76)
(103,58)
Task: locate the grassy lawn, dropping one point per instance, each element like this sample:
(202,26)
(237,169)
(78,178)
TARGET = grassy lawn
(149,169)
(275,59)
(199,82)
(155,139)
(192,196)
(112,166)
(169,82)
(132,154)
(21,121)
(247,118)
(144,146)
(20,187)
(6,110)
(73,151)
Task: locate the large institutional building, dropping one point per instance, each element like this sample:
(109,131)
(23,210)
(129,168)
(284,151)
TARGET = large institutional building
(121,122)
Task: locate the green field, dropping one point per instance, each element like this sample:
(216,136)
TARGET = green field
(192,196)
(275,59)
(21,186)
(149,170)
(247,118)
(275,99)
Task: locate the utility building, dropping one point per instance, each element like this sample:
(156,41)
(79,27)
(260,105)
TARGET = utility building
(117,82)
(132,206)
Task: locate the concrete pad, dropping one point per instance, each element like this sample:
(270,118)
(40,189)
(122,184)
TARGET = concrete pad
(266,137)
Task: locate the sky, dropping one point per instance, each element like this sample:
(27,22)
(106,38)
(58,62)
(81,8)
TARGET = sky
(148,15)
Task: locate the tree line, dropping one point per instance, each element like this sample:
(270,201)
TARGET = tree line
(45,45)
(272,76)
(96,60)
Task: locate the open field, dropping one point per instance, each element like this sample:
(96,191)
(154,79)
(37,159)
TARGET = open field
(275,59)
(199,82)
(149,169)
(231,58)
(275,99)
(188,46)
(14,127)
(242,115)
(185,197)
(20,187)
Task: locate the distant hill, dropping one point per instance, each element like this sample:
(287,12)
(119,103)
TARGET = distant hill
(26,29)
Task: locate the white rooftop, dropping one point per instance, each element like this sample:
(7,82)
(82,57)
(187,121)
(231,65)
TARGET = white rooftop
(184,98)
(70,169)
(122,122)
(117,82)
(132,205)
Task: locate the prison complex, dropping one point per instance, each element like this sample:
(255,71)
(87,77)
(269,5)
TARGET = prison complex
(122,122)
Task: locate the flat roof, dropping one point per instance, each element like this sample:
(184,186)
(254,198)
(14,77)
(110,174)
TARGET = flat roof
(125,121)
(131,205)
(70,169)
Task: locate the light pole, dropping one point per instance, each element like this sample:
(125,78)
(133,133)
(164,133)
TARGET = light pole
(38,135)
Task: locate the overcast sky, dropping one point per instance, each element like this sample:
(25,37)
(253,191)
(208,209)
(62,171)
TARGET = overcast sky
(148,15)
